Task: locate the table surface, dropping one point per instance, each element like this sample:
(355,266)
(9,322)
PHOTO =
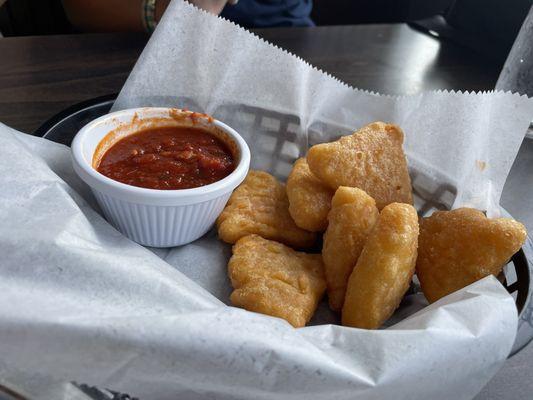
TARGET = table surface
(40,76)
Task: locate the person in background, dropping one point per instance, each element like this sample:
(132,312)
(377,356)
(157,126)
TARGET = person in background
(137,15)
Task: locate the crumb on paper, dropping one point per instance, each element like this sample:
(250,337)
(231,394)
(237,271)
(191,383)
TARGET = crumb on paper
(481,165)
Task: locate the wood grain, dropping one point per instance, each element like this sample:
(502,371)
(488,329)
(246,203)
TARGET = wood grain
(40,76)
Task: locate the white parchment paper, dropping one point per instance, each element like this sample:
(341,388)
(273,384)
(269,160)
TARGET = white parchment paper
(79,301)
(282,105)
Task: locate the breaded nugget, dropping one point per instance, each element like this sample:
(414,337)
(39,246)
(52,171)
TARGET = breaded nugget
(371,159)
(273,279)
(260,205)
(462,246)
(384,269)
(309,198)
(353,215)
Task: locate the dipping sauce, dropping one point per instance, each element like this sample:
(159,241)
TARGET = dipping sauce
(168,158)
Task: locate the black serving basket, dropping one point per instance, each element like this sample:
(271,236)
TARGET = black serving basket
(517,276)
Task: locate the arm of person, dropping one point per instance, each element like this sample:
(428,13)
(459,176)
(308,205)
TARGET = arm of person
(121,15)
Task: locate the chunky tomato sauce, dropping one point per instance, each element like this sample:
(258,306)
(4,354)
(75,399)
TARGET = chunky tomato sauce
(168,158)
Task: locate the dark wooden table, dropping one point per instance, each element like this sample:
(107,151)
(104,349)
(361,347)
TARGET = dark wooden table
(40,76)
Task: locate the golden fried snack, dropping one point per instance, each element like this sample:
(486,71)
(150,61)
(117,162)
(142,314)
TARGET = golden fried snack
(309,198)
(384,269)
(271,278)
(462,246)
(371,159)
(260,205)
(353,215)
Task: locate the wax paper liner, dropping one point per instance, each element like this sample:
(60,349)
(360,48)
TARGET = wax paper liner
(79,301)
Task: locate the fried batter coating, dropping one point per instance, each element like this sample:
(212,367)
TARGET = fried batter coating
(260,205)
(353,215)
(271,278)
(371,159)
(462,246)
(309,198)
(384,269)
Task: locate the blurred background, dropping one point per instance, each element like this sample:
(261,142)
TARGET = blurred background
(485,26)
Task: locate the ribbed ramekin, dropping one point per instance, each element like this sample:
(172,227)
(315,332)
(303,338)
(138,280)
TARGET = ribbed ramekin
(157,218)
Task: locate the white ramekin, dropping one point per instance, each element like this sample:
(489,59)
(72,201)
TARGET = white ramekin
(157,218)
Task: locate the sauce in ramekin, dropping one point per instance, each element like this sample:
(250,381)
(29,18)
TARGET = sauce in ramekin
(168,158)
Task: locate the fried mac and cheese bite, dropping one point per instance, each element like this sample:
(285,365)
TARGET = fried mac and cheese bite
(384,269)
(309,198)
(260,206)
(353,215)
(462,246)
(273,279)
(371,159)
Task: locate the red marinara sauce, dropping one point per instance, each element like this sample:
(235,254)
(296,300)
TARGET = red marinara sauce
(168,158)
